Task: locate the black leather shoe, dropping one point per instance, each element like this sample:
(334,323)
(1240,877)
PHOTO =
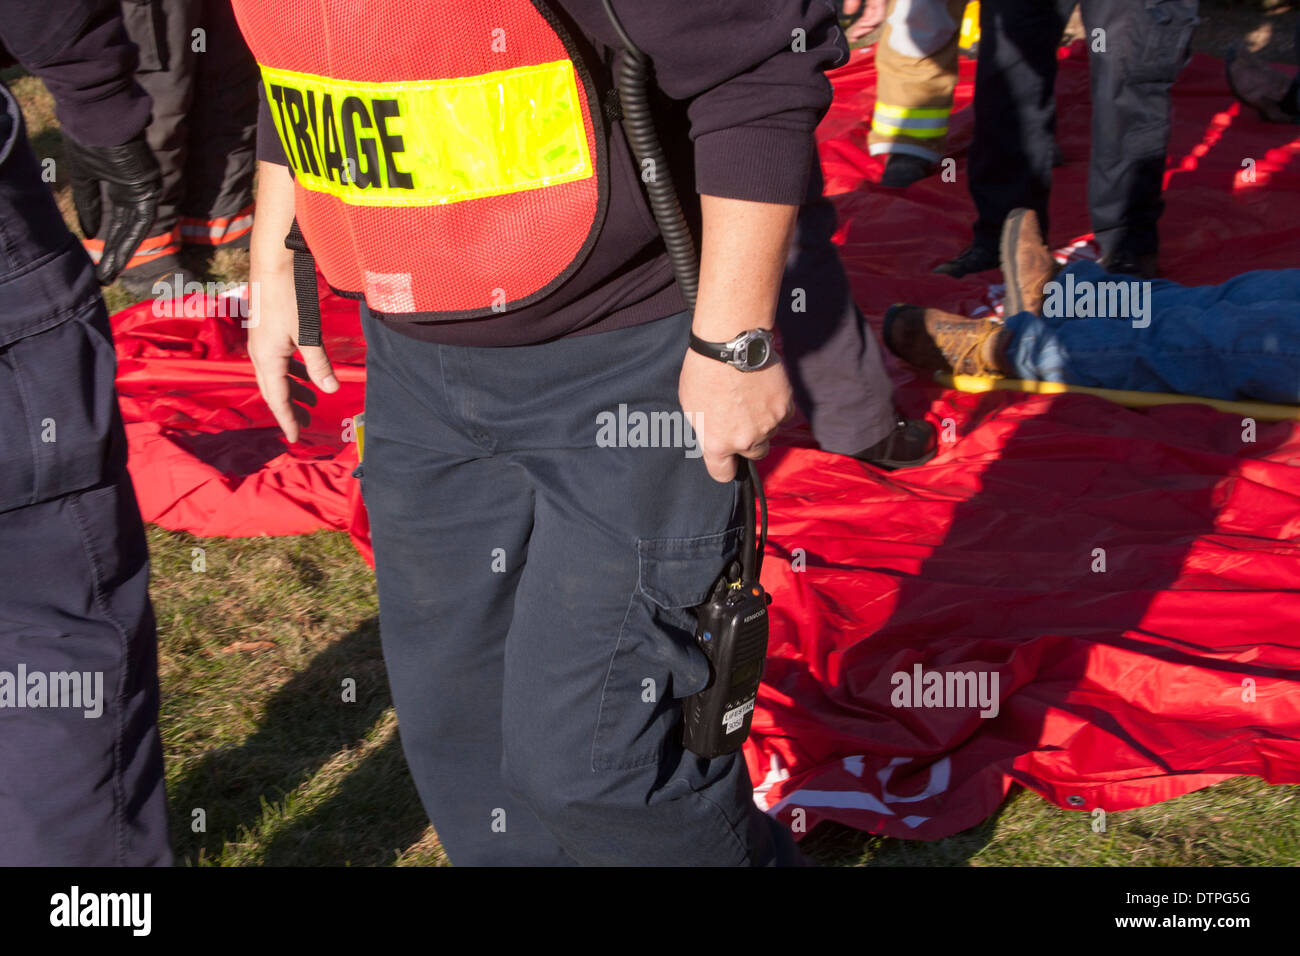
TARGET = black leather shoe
(974,258)
(1142,265)
(912,442)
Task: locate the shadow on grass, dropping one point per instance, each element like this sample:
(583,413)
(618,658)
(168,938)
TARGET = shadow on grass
(306,725)
(372,817)
(833,844)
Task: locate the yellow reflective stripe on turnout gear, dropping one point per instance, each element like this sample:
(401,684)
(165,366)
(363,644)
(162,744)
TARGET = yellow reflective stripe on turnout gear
(903,112)
(430,142)
(917,123)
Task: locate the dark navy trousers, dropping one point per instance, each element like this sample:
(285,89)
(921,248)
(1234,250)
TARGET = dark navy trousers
(831,355)
(1136,50)
(542,527)
(81,779)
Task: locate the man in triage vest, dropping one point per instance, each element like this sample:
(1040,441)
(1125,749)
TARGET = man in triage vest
(544,515)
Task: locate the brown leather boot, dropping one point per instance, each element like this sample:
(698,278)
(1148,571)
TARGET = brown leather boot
(945,342)
(1027,265)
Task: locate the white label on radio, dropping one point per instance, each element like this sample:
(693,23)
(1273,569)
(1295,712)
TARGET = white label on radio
(734,719)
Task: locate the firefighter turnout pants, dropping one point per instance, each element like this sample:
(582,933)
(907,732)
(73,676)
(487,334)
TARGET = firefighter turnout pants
(194,64)
(916,74)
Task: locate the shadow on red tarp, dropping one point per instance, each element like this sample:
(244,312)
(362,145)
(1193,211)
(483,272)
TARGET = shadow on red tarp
(1123,585)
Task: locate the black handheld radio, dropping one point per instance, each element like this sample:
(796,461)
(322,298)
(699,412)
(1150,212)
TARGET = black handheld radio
(731,630)
(731,626)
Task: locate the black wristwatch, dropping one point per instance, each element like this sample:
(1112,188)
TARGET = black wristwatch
(749,351)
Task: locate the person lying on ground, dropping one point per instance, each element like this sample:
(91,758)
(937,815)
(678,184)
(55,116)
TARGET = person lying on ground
(1083,326)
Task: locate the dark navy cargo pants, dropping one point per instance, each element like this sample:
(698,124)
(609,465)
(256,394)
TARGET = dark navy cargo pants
(542,527)
(80,757)
(1137,48)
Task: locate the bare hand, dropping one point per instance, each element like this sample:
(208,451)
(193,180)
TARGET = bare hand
(873,14)
(732,412)
(272,340)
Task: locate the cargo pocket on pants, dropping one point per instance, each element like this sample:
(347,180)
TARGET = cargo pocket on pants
(1162,41)
(58,402)
(656,661)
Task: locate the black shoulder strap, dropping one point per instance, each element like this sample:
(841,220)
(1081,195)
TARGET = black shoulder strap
(304,287)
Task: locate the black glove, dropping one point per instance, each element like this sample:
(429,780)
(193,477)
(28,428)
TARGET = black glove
(133,185)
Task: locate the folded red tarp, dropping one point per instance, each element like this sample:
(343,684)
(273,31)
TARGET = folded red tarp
(1123,586)
(206,455)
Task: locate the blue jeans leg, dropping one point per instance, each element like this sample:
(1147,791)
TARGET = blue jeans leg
(1238,340)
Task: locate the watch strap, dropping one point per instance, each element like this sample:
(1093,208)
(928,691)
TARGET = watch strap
(714,350)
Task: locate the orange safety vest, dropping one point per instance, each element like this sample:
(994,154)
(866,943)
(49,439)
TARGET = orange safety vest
(448,155)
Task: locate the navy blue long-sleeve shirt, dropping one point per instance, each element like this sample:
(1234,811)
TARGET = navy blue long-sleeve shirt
(79,48)
(745,86)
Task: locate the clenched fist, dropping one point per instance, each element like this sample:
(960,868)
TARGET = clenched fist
(732,412)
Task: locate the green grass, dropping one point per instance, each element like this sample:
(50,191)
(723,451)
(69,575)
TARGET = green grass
(1239,822)
(260,640)
(255,648)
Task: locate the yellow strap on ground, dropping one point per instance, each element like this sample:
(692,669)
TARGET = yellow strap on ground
(1261,411)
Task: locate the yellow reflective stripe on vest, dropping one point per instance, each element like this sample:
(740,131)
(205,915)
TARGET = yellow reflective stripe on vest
(925,123)
(433,141)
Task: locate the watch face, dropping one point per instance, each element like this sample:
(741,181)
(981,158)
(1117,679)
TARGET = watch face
(756,353)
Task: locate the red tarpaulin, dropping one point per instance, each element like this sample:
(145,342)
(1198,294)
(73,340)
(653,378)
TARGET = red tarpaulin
(1125,583)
